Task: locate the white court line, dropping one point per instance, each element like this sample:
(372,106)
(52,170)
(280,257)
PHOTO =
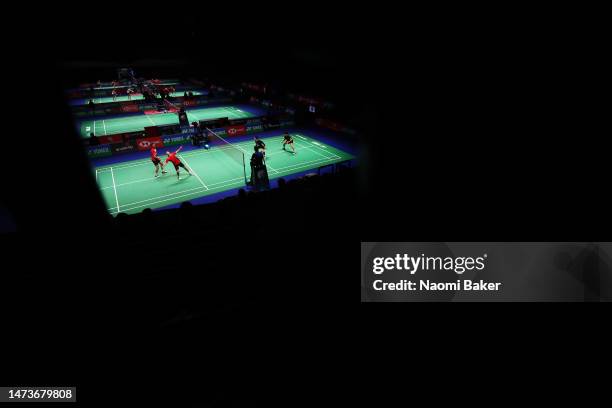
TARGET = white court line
(97,176)
(226,184)
(312,146)
(104,123)
(94,132)
(314,151)
(223,184)
(198,152)
(157,178)
(150,120)
(147,161)
(299,165)
(193,171)
(115,189)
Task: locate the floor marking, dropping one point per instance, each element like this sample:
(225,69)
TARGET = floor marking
(104,123)
(222,184)
(94,132)
(148,117)
(314,151)
(115,189)
(271,168)
(193,171)
(193,153)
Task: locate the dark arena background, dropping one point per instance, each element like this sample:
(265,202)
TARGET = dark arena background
(186,291)
(229,286)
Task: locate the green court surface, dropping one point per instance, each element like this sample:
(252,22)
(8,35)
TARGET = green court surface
(136,123)
(162,83)
(130,187)
(124,98)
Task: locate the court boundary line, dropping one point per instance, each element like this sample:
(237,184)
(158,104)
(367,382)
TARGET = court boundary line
(282,169)
(223,184)
(193,153)
(104,124)
(156,178)
(246,115)
(194,172)
(115,190)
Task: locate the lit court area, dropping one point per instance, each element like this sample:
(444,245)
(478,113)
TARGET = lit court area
(124,98)
(136,123)
(130,187)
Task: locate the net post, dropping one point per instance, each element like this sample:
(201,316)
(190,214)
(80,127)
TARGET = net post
(244,170)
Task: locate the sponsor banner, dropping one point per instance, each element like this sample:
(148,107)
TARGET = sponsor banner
(255,128)
(110,139)
(219,131)
(253,121)
(236,130)
(123,148)
(245,121)
(129,107)
(176,139)
(188,129)
(190,102)
(148,142)
(99,151)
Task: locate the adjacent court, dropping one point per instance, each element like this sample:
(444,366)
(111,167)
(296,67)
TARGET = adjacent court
(129,187)
(124,98)
(135,123)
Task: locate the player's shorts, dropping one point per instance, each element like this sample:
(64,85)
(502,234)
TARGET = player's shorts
(176,166)
(156,161)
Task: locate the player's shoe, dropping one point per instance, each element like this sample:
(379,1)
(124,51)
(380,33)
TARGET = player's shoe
(164,172)
(157,175)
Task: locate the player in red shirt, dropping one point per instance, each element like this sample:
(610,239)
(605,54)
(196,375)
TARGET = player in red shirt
(157,162)
(177,163)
